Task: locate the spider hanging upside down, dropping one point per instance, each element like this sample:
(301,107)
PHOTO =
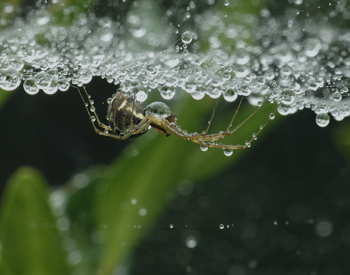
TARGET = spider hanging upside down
(128,118)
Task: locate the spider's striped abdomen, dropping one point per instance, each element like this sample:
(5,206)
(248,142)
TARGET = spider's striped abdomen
(121,110)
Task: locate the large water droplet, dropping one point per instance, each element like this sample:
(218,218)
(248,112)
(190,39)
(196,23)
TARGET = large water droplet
(322,119)
(187,37)
(323,228)
(43,80)
(158,108)
(30,87)
(191,242)
(9,79)
(230,95)
(287,96)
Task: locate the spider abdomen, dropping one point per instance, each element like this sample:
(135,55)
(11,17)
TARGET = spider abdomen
(121,110)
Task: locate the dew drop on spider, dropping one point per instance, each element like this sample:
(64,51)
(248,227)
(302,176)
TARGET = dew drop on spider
(158,108)
(247,143)
(203,148)
(92,109)
(228,152)
(93,118)
(272,116)
(254,136)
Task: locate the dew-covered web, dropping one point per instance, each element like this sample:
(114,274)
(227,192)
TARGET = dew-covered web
(295,58)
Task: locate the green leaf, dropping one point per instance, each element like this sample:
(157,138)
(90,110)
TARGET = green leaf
(4,96)
(79,209)
(31,243)
(341,137)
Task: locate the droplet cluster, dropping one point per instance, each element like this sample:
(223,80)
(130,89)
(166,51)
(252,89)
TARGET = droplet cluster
(295,61)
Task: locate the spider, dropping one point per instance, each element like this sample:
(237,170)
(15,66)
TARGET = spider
(128,118)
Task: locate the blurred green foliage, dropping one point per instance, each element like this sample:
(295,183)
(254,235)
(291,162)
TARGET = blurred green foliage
(31,243)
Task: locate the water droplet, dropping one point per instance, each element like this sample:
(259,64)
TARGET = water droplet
(75,257)
(43,80)
(158,108)
(323,228)
(242,57)
(312,46)
(203,148)
(51,89)
(105,34)
(30,87)
(142,211)
(337,96)
(228,152)
(221,226)
(226,3)
(287,97)
(171,225)
(133,201)
(191,242)
(9,79)
(322,119)
(283,109)
(230,95)
(187,37)
(63,85)
(167,93)
(93,118)
(198,95)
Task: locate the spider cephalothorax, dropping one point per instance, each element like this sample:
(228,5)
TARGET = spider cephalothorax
(128,118)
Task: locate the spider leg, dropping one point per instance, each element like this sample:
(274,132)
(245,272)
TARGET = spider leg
(212,116)
(132,113)
(235,114)
(249,117)
(207,140)
(106,128)
(228,132)
(247,144)
(210,140)
(93,110)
